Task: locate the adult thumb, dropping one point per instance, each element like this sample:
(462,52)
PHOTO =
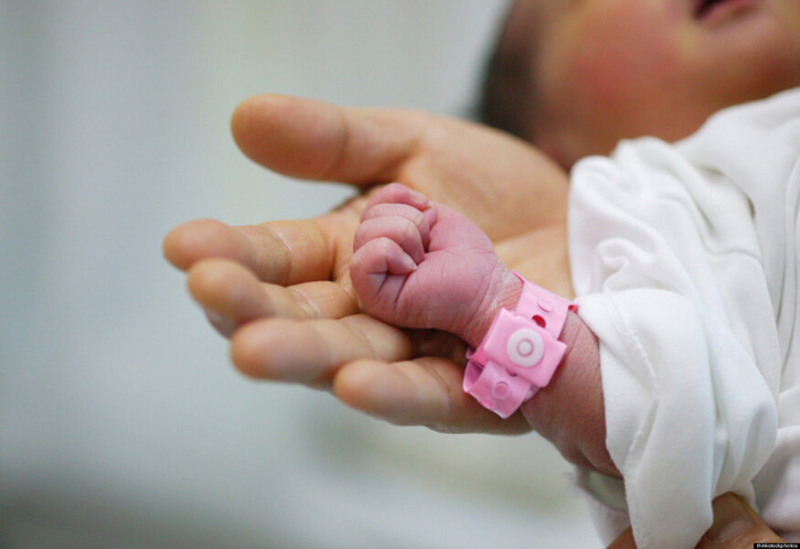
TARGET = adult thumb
(735,526)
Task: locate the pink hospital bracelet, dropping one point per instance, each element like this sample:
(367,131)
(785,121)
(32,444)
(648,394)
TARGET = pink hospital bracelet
(520,352)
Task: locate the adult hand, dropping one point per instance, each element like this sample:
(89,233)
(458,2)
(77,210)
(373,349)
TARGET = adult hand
(281,289)
(736,526)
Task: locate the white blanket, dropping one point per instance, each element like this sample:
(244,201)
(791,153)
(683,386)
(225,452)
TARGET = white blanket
(684,262)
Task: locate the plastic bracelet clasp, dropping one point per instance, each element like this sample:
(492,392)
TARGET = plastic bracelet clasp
(520,352)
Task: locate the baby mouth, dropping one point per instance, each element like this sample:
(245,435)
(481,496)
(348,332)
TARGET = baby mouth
(703,7)
(716,10)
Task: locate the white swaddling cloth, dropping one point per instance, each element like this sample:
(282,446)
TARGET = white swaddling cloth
(683,260)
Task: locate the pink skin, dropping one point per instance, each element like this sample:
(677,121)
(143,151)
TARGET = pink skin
(587,73)
(419,264)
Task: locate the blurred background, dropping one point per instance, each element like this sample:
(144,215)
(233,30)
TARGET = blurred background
(122,423)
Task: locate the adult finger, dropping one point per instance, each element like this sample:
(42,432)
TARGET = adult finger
(232,295)
(425,391)
(368,365)
(281,252)
(735,526)
(500,182)
(310,352)
(310,139)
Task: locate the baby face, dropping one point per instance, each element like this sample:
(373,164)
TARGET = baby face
(592,72)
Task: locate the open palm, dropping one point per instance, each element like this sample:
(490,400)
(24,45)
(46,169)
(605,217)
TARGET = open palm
(282,291)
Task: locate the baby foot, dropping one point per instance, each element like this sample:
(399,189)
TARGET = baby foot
(420,264)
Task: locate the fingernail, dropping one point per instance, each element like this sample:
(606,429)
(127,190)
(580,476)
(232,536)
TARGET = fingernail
(730,519)
(430,215)
(223,324)
(409,263)
(420,198)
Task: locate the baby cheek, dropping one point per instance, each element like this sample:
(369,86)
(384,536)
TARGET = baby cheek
(602,80)
(775,62)
(625,56)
